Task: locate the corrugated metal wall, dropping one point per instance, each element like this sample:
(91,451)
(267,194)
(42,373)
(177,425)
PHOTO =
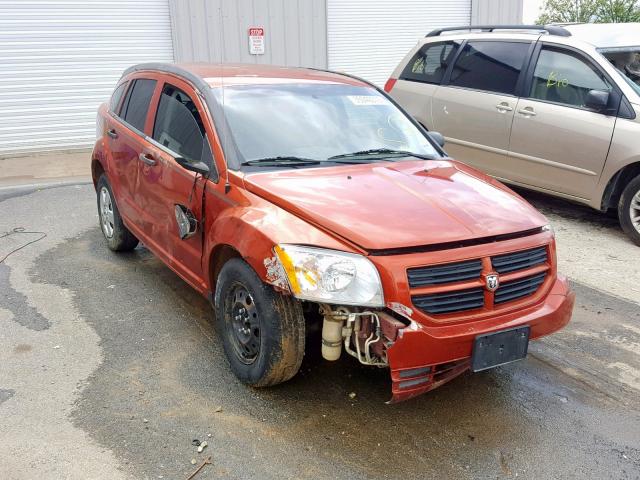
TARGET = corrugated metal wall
(59,59)
(217,30)
(505,12)
(368,38)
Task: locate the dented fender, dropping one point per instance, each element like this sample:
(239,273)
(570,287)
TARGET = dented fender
(253,226)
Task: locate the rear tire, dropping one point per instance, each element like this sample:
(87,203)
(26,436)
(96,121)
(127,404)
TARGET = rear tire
(117,236)
(263,331)
(629,210)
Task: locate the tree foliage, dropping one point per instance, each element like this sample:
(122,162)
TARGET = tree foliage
(594,11)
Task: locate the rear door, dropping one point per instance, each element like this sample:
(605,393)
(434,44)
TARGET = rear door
(557,142)
(178,131)
(420,78)
(474,106)
(126,140)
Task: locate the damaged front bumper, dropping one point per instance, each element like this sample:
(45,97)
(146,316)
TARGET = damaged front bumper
(424,357)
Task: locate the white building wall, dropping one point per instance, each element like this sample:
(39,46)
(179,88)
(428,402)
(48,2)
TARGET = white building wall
(60,59)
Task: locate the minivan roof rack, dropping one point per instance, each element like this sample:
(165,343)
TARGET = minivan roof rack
(550,29)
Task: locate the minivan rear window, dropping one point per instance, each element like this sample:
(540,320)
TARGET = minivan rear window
(490,66)
(430,63)
(136,105)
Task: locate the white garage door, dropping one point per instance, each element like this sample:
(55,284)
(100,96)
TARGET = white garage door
(368,38)
(59,59)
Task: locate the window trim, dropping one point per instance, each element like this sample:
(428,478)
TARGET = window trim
(446,80)
(526,92)
(214,174)
(456,43)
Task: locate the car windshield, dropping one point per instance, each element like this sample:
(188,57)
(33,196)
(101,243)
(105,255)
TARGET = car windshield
(627,61)
(309,123)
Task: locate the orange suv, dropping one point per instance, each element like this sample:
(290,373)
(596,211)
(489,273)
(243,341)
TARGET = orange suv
(297,199)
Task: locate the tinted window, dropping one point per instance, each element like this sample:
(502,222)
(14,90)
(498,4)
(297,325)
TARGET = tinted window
(178,126)
(564,77)
(430,63)
(136,105)
(115,98)
(490,66)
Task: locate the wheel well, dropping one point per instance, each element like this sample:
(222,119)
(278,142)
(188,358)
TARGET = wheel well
(96,170)
(617,183)
(221,254)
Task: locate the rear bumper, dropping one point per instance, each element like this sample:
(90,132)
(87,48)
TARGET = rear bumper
(423,358)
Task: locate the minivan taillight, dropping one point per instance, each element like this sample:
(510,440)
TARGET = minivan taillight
(389,85)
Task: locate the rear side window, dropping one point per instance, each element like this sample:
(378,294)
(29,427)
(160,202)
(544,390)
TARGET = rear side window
(179,127)
(114,103)
(490,66)
(430,63)
(136,104)
(564,77)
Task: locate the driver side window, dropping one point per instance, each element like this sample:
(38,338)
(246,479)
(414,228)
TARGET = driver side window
(563,77)
(179,127)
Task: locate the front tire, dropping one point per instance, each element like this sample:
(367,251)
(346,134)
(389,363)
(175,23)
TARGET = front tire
(629,210)
(117,236)
(262,331)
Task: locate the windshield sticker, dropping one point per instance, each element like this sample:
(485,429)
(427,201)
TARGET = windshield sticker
(366,100)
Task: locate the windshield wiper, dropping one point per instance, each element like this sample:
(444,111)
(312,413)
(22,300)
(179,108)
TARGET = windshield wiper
(382,151)
(281,161)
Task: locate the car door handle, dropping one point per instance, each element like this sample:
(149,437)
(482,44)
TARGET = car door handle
(112,133)
(527,112)
(504,107)
(147,159)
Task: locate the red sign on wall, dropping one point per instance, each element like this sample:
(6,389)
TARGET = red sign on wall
(256,40)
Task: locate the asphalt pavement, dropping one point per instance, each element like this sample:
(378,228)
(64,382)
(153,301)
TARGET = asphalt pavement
(110,369)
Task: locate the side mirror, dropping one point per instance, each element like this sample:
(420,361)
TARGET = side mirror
(597,100)
(437,137)
(198,167)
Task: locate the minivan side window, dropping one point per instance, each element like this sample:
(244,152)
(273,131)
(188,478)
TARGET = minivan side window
(563,77)
(430,63)
(136,104)
(117,95)
(490,66)
(179,127)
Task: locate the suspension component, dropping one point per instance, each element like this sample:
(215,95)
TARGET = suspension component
(359,332)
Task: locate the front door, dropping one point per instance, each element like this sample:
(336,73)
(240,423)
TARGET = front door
(474,108)
(557,142)
(163,185)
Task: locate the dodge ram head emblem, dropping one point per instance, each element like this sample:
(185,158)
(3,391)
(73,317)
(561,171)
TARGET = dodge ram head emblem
(493,282)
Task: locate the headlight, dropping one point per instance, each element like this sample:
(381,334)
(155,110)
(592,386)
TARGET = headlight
(329,276)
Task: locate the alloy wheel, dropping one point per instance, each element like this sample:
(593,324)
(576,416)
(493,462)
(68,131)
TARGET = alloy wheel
(106,212)
(634,211)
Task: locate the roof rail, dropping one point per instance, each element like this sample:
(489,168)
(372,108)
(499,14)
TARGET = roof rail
(550,29)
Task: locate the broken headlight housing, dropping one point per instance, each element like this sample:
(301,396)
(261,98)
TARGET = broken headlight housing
(330,276)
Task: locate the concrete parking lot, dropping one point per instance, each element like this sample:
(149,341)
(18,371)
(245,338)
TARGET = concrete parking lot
(110,369)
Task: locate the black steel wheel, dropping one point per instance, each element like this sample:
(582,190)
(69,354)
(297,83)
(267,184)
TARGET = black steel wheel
(263,331)
(245,324)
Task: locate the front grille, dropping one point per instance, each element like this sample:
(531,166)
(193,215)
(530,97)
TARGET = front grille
(449,273)
(458,301)
(515,289)
(519,260)
(460,287)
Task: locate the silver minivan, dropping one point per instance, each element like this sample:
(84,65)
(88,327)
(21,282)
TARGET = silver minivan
(554,109)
